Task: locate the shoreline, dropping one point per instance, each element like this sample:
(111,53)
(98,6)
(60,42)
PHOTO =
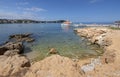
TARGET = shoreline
(58,66)
(108,39)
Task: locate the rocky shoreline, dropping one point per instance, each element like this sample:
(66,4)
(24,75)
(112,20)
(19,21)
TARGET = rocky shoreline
(108,64)
(13,64)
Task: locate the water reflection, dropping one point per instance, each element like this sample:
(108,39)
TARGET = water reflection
(65,27)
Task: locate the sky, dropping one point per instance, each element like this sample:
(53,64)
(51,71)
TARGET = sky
(74,10)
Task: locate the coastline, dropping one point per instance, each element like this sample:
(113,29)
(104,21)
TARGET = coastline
(108,39)
(106,65)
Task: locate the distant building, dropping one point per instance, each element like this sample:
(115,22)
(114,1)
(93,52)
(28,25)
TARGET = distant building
(117,23)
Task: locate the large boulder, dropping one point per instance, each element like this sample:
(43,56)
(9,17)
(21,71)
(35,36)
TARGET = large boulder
(12,65)
(55,66)
(15,45)
(12,46)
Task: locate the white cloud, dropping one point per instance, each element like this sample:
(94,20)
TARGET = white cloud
(23,15)
(94,1)
(22,3)
(34,9)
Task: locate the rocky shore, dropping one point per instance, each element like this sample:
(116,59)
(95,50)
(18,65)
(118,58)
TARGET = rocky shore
(13,64)
(109,63)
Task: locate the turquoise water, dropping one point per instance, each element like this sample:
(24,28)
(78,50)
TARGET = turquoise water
(48,36)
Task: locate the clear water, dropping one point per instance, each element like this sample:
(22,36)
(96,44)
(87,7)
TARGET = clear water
(48,36)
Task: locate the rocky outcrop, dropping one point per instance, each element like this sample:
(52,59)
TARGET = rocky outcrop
(55,66)
(13,66)
(15,47)
(95,35)
(22,37)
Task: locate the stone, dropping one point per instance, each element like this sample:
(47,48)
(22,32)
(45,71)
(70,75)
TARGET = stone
(15,45)
(2,50)
(12,65)
(8,48)
(11,52)
(55,66)
(94,35)
(22,37)
(52,51)
(30,40)
(108,57)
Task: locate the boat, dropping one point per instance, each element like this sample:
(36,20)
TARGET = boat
(66,23)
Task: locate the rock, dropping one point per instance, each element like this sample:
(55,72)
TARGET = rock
(52,51)
(2,50)
(30,40)
(22,37)
(11,52)
(91,66)
(55,66)
(12,65)
(16,47)
(108,57)
(94,35)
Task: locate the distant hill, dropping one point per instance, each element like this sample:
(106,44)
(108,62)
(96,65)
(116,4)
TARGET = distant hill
(12,21)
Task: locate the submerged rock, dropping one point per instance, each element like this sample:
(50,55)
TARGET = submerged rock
(53,51)
(22,37)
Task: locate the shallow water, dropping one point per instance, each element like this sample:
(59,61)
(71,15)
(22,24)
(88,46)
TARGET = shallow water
(48,36)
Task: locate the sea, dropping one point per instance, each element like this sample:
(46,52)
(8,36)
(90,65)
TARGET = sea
(51,35)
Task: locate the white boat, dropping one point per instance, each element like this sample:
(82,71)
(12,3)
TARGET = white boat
(66,23)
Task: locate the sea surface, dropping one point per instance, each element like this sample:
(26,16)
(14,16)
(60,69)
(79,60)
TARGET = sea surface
(47,36)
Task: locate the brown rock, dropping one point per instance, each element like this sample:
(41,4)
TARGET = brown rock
(108,57)
(30,40)
(55,66)
(22,37)
(12,65)
(15,45)
(11,52)
(52,51)
(12,46)
(2,50)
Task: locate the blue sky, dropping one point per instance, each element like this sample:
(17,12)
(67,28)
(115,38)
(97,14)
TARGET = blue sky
(74,10)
